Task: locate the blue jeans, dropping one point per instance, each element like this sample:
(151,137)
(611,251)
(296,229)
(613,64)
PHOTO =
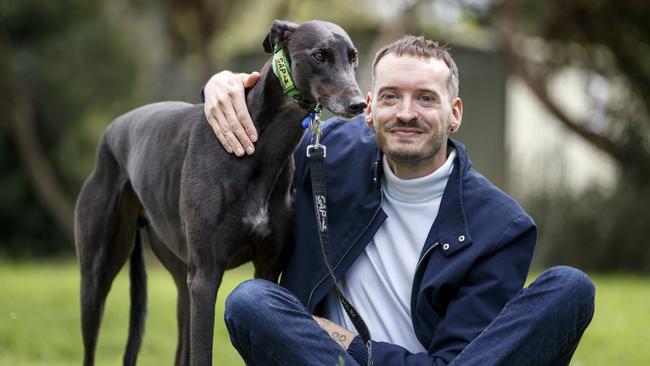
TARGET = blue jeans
(541,325)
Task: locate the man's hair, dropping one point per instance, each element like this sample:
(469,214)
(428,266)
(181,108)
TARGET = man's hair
(423,48)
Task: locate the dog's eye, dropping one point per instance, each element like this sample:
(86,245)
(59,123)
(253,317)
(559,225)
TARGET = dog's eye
(354,59)
(319,56)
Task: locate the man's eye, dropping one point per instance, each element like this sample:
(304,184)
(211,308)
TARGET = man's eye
(319,56)
(388,97)
(428,99)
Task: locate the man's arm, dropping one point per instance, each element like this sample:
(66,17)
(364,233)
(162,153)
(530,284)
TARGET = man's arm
(488,286)
(226,111)
(341,335)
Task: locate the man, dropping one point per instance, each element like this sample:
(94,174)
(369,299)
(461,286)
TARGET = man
(431,254)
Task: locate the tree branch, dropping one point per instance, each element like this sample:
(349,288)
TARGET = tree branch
(39,170)
(519,66)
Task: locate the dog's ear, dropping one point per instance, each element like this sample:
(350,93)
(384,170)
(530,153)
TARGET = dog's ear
(280,32)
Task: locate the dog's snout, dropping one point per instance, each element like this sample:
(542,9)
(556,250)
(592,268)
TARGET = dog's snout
(357,106)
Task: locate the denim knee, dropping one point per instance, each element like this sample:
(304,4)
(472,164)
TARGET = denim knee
(575,281)
(245,298)
(574,287)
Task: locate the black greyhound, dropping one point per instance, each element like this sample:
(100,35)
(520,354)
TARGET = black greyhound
(204,211)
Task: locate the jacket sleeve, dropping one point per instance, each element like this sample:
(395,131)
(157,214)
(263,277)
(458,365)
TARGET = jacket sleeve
(493,279)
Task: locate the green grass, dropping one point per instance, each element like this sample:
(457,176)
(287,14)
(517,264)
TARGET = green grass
(620,329)
(39,319)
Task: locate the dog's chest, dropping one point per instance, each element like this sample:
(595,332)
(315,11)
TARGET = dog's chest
(258,221)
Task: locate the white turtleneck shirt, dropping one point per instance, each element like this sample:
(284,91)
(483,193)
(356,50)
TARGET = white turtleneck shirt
(379,282)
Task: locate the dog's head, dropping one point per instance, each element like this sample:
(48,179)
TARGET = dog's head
(323,63)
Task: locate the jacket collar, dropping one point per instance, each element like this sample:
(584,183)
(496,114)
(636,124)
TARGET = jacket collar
(450,228)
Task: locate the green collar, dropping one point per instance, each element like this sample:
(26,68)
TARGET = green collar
(282,70)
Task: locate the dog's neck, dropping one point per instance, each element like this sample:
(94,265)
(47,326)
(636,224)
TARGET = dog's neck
(276,117)
(277,120)
(266,101)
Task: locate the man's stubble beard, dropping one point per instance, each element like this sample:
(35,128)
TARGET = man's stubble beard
(413,157)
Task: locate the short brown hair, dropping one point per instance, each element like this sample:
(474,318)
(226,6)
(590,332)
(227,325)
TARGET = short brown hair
(423,48)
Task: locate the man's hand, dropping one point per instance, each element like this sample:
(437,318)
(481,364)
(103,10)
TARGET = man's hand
(337,332)
(226,111)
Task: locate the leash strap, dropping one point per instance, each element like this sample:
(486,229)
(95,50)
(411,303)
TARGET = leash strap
(316,154)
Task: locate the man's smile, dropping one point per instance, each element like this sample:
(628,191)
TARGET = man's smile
(405,132)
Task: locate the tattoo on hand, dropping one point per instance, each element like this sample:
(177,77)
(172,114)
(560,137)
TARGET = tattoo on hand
(339,338)
(339,334)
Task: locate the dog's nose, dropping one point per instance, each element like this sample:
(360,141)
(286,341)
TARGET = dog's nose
(356,107)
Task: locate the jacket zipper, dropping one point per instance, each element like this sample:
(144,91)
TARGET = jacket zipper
(417,267)
(381,201)
(426,253)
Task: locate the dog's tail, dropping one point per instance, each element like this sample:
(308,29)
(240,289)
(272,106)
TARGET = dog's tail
(138,277)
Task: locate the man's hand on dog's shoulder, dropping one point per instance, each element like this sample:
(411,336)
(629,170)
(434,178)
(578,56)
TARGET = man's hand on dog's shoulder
(226,111)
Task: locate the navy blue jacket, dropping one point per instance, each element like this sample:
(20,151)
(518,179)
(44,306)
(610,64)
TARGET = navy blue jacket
(475,258)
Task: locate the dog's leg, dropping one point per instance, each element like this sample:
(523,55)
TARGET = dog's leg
(204,278)
(105,224)
(178,269)
(206,265)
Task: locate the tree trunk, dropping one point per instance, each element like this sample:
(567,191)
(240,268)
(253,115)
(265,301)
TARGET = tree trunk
(38,168)
(518,65)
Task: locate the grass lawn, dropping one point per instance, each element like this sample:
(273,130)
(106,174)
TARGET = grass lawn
(39,319)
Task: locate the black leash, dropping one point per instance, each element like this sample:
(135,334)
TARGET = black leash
(316,154)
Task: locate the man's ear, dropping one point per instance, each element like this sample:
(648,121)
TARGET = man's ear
(456,115)
(280,32)
(368,115)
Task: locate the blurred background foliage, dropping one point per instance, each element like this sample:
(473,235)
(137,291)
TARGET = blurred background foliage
(69,67)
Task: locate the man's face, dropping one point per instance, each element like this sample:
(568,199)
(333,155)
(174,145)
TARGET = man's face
(412,112)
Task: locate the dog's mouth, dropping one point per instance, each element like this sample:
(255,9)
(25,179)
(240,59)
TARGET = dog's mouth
(344,108)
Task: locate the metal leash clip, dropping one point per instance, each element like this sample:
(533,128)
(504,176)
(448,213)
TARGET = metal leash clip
(314,126)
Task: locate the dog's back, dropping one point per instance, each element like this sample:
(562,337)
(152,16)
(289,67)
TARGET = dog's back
(133,136)
(150,145)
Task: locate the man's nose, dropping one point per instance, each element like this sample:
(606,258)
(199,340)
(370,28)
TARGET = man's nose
(406,112)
